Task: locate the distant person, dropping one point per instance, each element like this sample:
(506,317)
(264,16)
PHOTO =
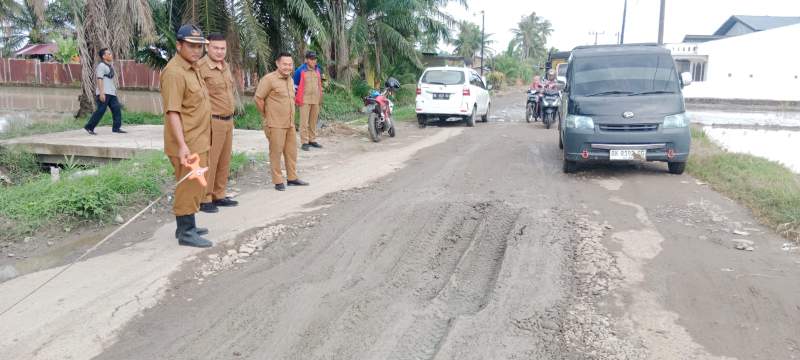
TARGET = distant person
(308,82)
(105,95)
(537,83)
(216,73)
(274,100)
(551,82)
(187,129)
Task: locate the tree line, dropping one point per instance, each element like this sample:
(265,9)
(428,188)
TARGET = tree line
(356,39)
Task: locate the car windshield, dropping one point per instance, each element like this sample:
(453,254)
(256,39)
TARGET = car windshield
(623,75)
(562,70)
(443,77)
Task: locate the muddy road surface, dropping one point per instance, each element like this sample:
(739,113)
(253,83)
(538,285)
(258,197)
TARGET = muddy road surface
(479,247)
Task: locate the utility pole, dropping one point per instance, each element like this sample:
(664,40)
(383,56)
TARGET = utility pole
(595,33)
(624,15)
(483,36)
(661,23)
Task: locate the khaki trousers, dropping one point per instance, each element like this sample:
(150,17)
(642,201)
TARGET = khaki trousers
(282,142)
(188,193)
(309,115)
(219,159)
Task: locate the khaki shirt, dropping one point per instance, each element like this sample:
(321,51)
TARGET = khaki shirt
(278,93)
(184,91)
(311,90)
(220,84)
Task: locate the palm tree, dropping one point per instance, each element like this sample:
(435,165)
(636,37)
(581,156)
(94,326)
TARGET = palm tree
(468,41)
(531,35)
(27,23)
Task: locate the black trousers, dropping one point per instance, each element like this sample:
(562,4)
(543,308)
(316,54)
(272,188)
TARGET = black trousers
(116,112)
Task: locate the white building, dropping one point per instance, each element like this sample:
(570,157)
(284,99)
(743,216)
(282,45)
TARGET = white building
(742,61)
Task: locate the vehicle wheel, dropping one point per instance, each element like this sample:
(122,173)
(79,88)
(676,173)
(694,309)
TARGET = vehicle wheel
(391,131)
(528,113)
(422,121)
(549,120)
(470,120)
(676,168)
(485,117)
(560,142)
(372,124)
(569,166)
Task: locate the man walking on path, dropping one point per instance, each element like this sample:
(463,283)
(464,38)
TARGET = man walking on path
(308,80)
(273,99)
(217,75)
(105,95)
(187,129)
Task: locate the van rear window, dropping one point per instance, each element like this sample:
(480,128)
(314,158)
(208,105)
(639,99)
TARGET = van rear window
(443,77)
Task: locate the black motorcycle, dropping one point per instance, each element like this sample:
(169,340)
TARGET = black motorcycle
(551,104)
(532,107)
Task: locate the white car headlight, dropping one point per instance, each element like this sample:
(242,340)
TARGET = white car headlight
(676,121)
(579,122)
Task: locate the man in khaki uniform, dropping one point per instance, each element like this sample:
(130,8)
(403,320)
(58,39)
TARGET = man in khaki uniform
(187,129)
(274,100)
(308,80)
(217,75)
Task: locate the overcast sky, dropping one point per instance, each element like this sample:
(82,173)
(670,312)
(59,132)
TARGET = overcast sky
(573,20)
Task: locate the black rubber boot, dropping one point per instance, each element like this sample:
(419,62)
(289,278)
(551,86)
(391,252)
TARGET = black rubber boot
(187,233)
(200,231)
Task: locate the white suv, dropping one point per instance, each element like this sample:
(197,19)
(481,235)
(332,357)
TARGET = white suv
(447,93)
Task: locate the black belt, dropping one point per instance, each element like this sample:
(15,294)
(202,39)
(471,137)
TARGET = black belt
(222,117)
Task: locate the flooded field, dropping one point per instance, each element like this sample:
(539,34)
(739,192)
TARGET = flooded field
(742,117)
(66,100)
(779,145)
(21,106)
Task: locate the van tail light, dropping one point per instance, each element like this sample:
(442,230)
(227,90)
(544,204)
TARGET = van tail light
(419,91)
(465,92)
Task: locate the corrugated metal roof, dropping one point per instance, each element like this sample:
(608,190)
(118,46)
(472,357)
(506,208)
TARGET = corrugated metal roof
(757,23)
(37,49)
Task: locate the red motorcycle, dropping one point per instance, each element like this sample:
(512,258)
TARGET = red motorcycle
(380,110)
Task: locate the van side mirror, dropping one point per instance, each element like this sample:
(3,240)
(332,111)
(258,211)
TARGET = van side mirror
(686,79)
(489,87)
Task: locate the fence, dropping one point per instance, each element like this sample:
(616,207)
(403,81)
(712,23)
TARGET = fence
(130,75)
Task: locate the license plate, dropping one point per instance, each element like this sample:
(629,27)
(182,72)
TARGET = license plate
(441,96)
(628,155)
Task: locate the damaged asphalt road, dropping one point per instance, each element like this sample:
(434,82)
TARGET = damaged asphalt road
(480,248)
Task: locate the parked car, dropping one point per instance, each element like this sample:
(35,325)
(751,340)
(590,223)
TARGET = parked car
(623,103)
(452,93)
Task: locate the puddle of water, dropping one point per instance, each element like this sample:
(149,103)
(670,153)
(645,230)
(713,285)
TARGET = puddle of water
(24,118)
(772,118)
(777,145)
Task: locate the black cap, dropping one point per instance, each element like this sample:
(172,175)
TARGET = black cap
(191,34)
(311,55)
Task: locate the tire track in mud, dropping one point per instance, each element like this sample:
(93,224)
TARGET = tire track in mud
(451,257)
(478,248)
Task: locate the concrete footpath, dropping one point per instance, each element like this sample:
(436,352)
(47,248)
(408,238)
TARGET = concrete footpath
(78,315)
(53,147)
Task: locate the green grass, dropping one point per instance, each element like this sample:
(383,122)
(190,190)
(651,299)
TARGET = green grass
(39,202)
(768,188)
(73,199)
(19,166)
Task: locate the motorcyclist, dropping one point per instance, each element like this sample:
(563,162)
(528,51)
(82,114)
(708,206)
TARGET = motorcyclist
(537,83)
(551,82)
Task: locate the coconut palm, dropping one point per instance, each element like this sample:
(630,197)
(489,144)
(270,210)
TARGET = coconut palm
(468,41)
(530,36)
